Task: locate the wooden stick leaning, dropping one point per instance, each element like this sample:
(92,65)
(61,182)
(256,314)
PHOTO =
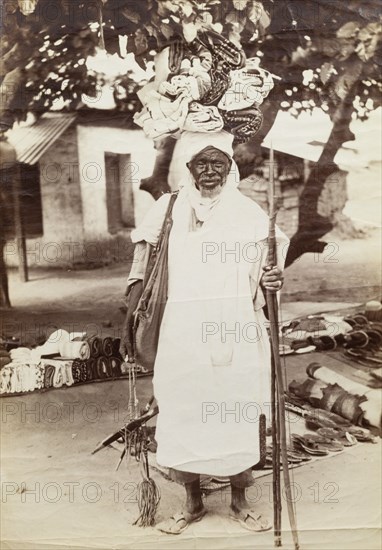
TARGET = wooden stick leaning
(279,437)
(277,503)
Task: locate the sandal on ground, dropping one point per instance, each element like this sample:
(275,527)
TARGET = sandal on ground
(294,457)
(356,320)
(362,434)
(375,339)
(320,418)
(311,447)
(250,520)
(343,437)
(377,374)
(299,454)
(324,442)
(356,339)
(362,356)
(322,343)
(178,523)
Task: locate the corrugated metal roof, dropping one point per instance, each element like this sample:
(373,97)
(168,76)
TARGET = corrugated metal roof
(31,142)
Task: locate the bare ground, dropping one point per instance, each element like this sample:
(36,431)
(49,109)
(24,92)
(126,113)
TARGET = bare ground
(80,502)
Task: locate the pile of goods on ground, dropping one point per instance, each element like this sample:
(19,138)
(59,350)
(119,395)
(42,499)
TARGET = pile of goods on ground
(65,359)
(357,336)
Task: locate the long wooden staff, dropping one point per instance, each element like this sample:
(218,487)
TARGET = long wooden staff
(279,438)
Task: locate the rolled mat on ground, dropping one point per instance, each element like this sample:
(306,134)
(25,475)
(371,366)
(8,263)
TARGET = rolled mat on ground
(54,342)
(75,350)
(4,361)
(334,392)
(116,344)
(107,346)
(102,367)
(95,345)
(19,374)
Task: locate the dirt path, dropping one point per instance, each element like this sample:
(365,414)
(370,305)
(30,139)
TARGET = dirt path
(347,271)
(57,495)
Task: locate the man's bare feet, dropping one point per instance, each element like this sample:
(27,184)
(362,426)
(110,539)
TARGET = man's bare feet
(194,502)
(194,511)
(241,511)
(177,523)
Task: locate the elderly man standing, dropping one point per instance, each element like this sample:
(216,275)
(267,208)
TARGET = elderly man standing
(212,370)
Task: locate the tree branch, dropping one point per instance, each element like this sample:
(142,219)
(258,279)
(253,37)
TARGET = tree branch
(311,225)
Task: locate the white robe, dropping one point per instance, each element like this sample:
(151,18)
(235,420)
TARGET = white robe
(212,370)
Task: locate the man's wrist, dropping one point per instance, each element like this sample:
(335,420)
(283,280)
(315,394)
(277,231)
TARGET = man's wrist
(131,285)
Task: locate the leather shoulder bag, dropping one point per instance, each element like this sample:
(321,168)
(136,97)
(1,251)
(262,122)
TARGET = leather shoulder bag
(149,313)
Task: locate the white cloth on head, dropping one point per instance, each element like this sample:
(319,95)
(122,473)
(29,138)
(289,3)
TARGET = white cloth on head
(189,145)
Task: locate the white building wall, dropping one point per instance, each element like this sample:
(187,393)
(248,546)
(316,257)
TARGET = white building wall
(93,142)
(73,193)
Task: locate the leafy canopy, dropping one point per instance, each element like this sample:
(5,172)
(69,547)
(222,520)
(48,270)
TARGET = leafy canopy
(322,49)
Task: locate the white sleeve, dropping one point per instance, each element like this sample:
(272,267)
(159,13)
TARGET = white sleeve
(151,225)
(138,266)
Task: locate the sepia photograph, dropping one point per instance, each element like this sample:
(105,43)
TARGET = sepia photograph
(190,274)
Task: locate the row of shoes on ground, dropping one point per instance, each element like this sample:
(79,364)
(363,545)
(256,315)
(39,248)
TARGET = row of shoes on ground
(23,377)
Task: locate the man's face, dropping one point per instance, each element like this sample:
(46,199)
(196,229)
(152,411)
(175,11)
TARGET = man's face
(210,168)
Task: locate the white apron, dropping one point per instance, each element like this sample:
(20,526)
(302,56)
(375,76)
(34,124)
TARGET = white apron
(212,371)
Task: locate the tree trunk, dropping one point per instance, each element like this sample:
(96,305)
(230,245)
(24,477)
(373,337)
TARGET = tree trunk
(19,225)
(157,184)
(311,225)
(4,289)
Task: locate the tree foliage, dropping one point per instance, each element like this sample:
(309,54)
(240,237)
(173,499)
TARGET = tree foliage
(339,44)
(46,43)
(327,54)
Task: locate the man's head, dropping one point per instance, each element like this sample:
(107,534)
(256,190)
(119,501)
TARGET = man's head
(210,168)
